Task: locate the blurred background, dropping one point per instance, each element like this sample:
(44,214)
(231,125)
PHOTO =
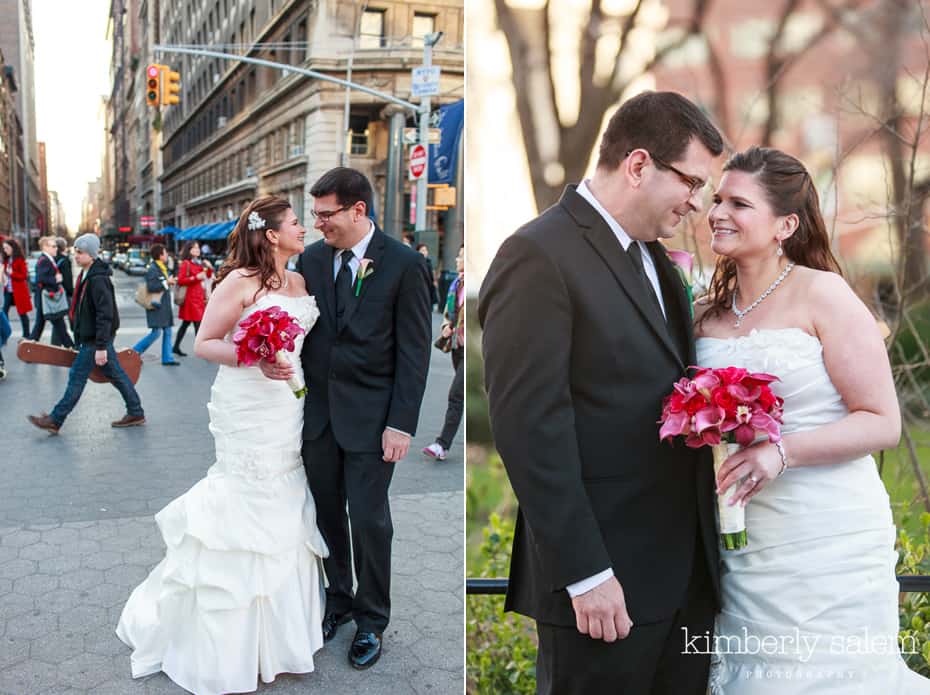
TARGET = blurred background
(842,84)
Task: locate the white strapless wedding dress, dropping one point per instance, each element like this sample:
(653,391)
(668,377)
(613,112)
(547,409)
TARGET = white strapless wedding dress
(818,573)
(239,593)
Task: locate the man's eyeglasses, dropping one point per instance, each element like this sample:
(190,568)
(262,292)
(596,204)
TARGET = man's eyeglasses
(693,183)
(326,215)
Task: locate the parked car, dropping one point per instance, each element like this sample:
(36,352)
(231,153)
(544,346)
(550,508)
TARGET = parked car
(119,260)
(135,266)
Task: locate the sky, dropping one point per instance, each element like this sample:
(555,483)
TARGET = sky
(72,73)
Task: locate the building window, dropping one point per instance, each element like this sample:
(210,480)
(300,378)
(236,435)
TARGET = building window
(358,135)
(371,32)
(423,24)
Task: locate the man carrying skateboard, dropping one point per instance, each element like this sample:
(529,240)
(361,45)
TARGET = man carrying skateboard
(95,318)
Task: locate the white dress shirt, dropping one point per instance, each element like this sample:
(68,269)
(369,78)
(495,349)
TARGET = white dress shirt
(358,253)
(648,264)
(585,585)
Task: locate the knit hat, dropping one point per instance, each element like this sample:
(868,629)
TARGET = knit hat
(89,244)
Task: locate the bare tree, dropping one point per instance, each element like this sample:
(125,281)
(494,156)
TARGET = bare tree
(528,34)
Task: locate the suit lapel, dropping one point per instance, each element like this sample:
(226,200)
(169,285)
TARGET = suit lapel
(322,266)
(671,279)
(375,253)
(598,234)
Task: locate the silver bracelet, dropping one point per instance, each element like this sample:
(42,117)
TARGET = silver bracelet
(784,457)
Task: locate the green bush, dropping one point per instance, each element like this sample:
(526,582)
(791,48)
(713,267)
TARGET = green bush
(501,649)
(914,611)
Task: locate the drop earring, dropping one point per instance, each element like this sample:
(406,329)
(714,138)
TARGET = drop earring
(779,252)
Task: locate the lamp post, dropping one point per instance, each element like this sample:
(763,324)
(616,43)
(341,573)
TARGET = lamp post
(429,40)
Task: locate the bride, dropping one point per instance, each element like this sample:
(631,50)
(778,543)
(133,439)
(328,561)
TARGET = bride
(239,593)
(818,574)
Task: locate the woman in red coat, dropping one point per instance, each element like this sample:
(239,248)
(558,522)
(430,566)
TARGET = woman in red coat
(16,282)
(192,274)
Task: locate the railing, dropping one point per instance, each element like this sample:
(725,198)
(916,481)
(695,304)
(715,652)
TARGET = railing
(917,583)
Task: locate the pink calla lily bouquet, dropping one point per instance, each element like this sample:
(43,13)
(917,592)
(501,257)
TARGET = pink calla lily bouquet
(726,409)
(268,335)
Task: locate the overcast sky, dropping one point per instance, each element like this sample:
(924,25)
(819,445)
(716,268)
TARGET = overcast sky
(72,73)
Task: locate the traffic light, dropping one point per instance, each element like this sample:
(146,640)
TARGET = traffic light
(171,89)
(153,85)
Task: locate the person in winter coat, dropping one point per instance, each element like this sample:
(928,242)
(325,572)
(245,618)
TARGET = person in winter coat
(49,279)
(192,274)
(63,262)
(96,319)
(16,282)
(159,318)
(453,328)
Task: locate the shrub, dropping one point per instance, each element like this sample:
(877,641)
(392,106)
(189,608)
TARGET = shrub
(914,611)
(501,649)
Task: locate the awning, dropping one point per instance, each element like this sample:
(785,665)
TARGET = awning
(204,232)
(169,230)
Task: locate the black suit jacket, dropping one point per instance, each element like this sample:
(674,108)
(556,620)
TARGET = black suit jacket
(577,361)
(372,373)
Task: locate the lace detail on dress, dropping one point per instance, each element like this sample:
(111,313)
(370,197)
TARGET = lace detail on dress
(717,668)
(258,464)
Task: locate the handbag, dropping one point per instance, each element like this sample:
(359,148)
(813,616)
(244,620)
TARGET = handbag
(148,300)
(180,294)
(54,303)
(443,343)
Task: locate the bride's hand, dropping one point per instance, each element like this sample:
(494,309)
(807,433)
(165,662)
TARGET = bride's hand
(755,466)
(276,370)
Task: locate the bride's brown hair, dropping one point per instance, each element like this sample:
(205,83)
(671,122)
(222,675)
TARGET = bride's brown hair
(250,249)
(789,190)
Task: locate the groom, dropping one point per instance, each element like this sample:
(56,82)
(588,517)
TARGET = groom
(586,328)
(365,363)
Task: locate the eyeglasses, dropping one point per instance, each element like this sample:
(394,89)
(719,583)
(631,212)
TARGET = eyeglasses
(693,183)
(326,215)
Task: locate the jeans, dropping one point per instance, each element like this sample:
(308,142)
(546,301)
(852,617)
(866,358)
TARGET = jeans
(80,373)
(23,318)
(165,333)
(456,401)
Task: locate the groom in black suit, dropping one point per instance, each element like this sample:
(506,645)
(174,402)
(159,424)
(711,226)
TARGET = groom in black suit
(365,362)
(586,327)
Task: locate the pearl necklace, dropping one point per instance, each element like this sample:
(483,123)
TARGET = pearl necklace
(771,288)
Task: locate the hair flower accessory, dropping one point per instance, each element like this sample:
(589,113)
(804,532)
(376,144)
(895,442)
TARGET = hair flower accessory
(256,221)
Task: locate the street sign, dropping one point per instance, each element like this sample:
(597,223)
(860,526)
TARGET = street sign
(417,161)
(412,136)
(424,81)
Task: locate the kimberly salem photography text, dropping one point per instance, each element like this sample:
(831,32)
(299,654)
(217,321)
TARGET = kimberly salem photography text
(796,645)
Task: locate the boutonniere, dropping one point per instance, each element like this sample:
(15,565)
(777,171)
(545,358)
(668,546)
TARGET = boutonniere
(684,264)
(366,268)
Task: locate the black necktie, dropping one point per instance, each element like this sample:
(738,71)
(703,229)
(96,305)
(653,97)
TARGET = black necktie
(636,255)
(343,285)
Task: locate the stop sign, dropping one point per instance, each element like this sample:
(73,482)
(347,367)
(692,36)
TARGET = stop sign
(417,161)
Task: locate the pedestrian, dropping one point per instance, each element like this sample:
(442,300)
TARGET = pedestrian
(192,274)
(5,329)
(49,284)
(16,283)
(408,239)
(96,320)
(423,250)
(452,340)
(63,262)
(160,318)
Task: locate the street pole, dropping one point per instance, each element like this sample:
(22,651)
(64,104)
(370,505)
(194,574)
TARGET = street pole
(429,41)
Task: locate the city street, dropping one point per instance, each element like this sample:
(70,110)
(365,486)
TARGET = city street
(77,531)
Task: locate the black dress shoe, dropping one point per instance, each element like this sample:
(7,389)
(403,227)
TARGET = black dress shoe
(177,351)
(331,623)
(365,650)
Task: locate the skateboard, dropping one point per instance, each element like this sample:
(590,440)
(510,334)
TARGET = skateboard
(41,353)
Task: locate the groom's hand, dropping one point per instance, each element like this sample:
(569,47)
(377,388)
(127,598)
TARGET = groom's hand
(395,445)
(601,612)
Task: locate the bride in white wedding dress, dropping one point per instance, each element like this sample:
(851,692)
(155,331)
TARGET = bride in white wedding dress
(811,605)
(239,594)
